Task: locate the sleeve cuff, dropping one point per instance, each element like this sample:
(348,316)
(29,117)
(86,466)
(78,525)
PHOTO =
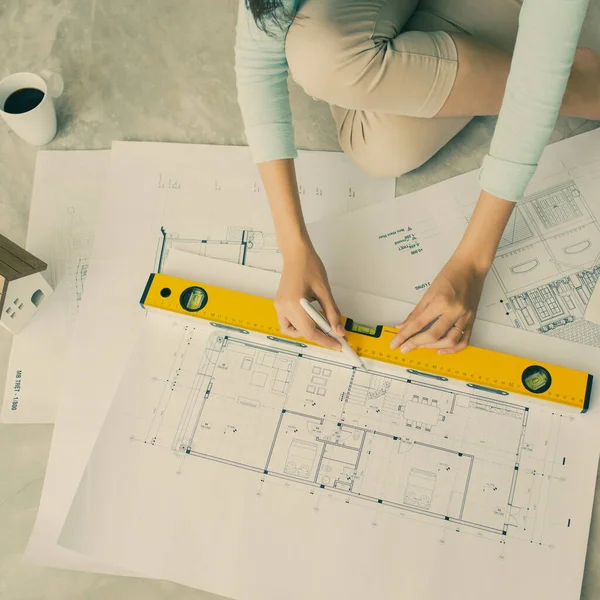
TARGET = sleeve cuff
(505,179)
(274,141)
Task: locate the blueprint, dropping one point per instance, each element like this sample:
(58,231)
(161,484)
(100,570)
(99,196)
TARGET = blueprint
(547,263)
(278,453)
(66,200)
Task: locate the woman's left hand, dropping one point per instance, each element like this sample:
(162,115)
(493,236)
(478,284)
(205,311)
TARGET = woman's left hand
(448,307)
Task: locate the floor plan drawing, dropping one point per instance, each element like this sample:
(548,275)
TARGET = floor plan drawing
(228,443)
(240,245)
(468,460)
(548,263)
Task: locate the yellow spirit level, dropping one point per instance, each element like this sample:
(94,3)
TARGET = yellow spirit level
(479,368)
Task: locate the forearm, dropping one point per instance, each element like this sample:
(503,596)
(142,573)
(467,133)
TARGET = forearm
(279,179)
(482,236)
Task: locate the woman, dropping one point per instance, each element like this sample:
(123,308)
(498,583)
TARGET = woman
(402,78)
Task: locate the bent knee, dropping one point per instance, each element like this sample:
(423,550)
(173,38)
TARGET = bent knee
(386,155)
(395,162)
(326,60)
(389,145)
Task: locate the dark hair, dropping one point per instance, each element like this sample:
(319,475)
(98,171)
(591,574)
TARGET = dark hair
(268,12)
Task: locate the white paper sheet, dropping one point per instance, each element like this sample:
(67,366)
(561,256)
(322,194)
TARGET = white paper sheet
(220,211)
(67,192)
(592,312)
(214,204)
(547,263)
(272,474)
(198,192)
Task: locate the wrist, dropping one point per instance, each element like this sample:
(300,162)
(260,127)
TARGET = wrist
(478,260)
(479,244)
(293,242)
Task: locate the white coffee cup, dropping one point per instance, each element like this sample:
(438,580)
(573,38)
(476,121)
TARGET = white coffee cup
(38,125)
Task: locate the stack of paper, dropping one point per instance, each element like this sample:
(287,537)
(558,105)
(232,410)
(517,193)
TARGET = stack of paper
(236,466)
(206,200)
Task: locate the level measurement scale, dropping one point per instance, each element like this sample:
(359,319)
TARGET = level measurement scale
(481,369)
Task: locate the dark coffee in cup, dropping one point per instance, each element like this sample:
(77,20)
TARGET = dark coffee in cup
(23,100)
(27,104)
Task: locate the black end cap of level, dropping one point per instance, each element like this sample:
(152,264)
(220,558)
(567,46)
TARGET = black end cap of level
(588,393)
(146,290)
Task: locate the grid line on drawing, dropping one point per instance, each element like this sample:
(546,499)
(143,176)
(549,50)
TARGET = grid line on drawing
(558,204)
(545,303)
(557,208)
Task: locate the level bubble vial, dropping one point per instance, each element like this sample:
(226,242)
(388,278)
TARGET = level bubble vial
(193,299)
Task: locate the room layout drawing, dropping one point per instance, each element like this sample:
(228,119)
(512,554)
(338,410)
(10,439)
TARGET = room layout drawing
(548,263)
(240,245)
(469,460)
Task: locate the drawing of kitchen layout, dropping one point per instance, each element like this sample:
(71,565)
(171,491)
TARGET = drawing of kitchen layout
(469,459)
(548,263)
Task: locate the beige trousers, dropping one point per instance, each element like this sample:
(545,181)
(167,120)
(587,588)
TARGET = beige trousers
(386,67)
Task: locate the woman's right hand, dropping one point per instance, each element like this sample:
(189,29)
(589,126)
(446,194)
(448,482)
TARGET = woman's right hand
(304,276)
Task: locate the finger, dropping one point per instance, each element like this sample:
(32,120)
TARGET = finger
(291,331)
(332,312)
(454,335)
(464,342)
(434,334)
(308,330)
(413,325)
(417,311)
(451,339)
(284,324)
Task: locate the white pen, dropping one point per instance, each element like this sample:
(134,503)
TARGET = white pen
(324,325)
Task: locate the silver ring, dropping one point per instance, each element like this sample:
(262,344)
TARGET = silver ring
(455,327)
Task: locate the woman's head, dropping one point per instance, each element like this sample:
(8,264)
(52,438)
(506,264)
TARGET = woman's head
(267,12)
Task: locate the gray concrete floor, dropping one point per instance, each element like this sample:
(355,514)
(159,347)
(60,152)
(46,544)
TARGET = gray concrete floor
(157,71)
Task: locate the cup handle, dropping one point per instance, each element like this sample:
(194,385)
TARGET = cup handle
(54,82)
